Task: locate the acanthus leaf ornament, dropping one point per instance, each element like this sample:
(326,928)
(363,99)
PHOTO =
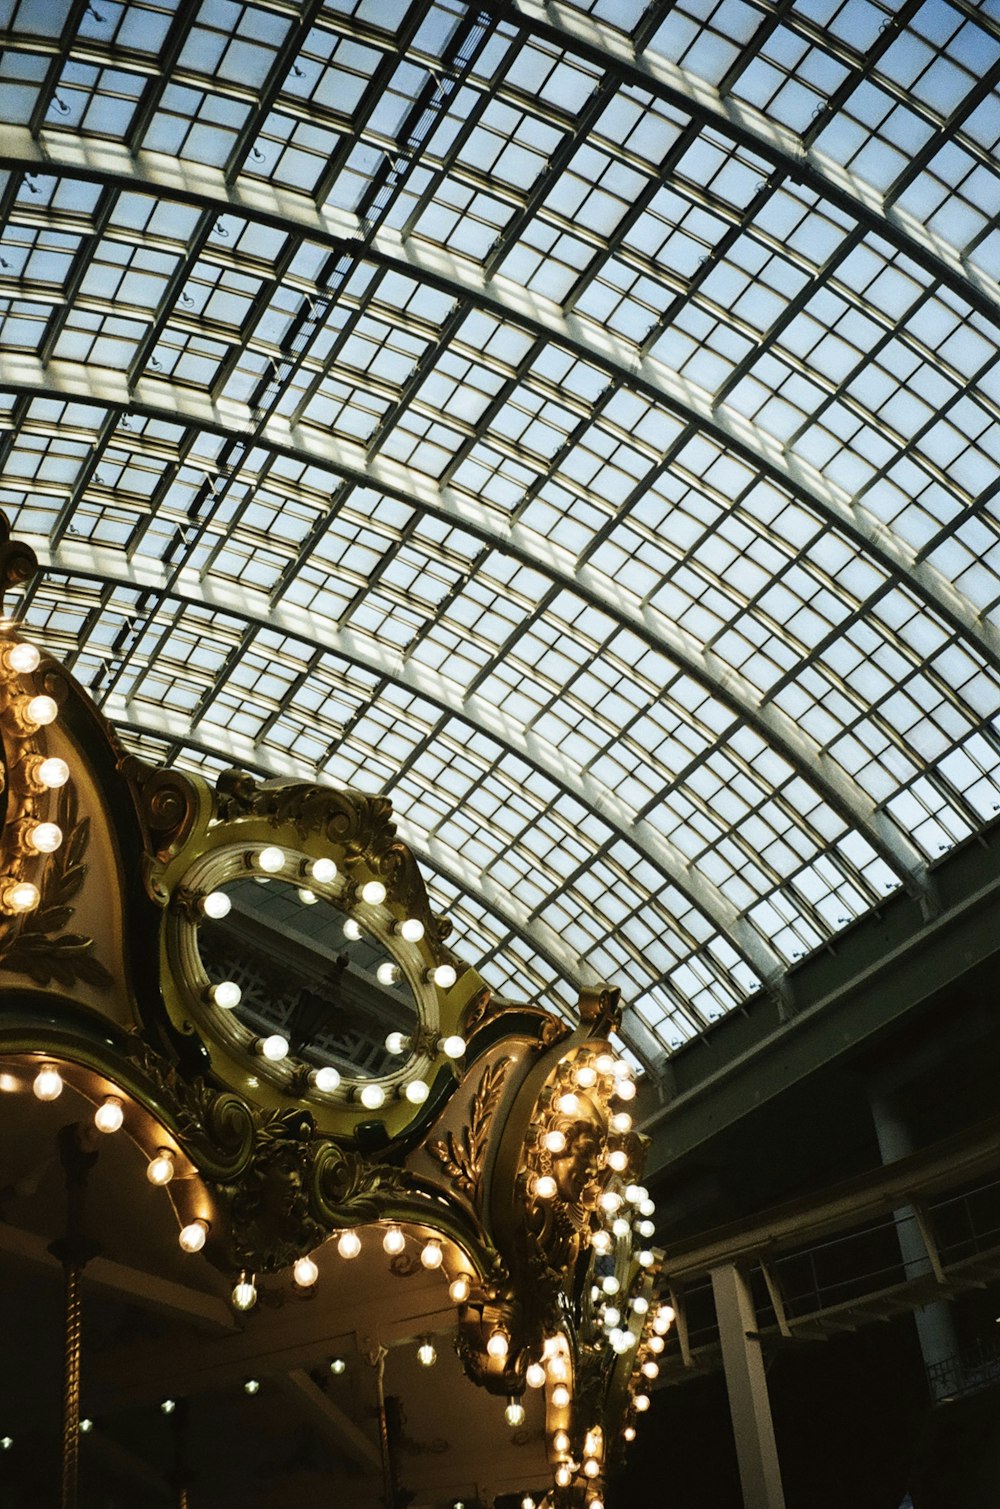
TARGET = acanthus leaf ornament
(461,1157)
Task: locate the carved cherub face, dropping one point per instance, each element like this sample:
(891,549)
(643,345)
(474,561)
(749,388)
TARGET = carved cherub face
(577,1165)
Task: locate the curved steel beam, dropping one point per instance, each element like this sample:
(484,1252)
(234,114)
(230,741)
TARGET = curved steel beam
(215,740)
(244,602)
(107,162)
(164,400)
(571,28)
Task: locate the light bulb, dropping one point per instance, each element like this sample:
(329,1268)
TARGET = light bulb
(514,1412)
(534,1375)
(387,974)
(417,1092)
(394,1241)
(349,1244)
(564,1475)
(271,859)
(612,1317)
(640,1304)
(554,1142)
(251,1386)
(545,1187)
(444,976)
(646,1229)
(650,1369)
(109,1115)
(656,1344)
(226,995)
(160,1170)
(373,892)
(621,1122)
(426,1353)
(192,1237)
(273,1048)
(305,1272)
(625,1089)
(560,1441)
(645,1258)
(610,1284)
(629,1432)
(647,1208)
(586,1076)
(610,1201)
(338,1366)
(44,838)
(663,1319)
(244,1293)
(528,1502)
(620,1227)
(591,1468)
(167,1406)
(431,1254)
(568,1104)
(601,1243)
(48,1083)
(635,1193)
(617,1159)
(23,658)
(307,897)
(352,930)
(560,1396)
(498,1344)
(86,1426)
(52,773)
(641,1402)
(40,711)
(327,1078)
(452,1046)
(19,896)
(605,1064)
(216,905)
(460,1288)
(396,1043)
(411,930)
(323,870)
(372,1096)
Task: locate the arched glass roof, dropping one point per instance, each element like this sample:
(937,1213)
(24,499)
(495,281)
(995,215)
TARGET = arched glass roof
(579,420)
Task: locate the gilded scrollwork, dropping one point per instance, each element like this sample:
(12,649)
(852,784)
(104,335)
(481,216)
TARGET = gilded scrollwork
(461,1157)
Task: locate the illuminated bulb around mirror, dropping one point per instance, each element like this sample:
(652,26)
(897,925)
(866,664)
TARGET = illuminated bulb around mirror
(620,1227)
(601,1242)
(612,1317)
(645,1229)
(372,1096)
(307,897)
(568,1105)
(417,1092)
(453,1046)
(647,1208)
(244,1294)
(273,1048)
(431,1254)
(554,1142)
(663,1320)
(610,1284)
(498,1344)
(514,1412)
(394,1241)
(621,1122)
(192,1237)
(348,1244)
(160,1170)
(19,896)
(109,1115)
(352,930)
(271,859)
(444,976)
(216,905)
(22,658)
(641,1402)
(52,773)
(586,1076)
(534,1375)
(617,1159)
(305,1272)
(645,1258)
(655,1343)
(47,1083)
(41,711)
(226,995)
(387,973)
(323,870)
(650,1369)
(460,1288)
(396,1043)
(373,892)
(625,1089)
(411,930)
(545,1187)
(605,1064)
(44,838)
(326,1079)
(640,1304)
(427,1353)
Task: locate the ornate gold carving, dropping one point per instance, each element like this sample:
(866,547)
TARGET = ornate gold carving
(462,1157)
(18,562)
(32,944)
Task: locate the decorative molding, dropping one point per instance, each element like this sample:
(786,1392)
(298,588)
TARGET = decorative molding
(461,1157)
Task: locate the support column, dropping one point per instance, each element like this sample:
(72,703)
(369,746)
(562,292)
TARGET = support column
(746,1385)
(935,1329)
(78,1153)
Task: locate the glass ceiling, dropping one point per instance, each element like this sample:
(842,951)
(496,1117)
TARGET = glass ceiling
(580,420)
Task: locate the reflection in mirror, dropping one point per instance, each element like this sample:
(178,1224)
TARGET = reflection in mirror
(305,971)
